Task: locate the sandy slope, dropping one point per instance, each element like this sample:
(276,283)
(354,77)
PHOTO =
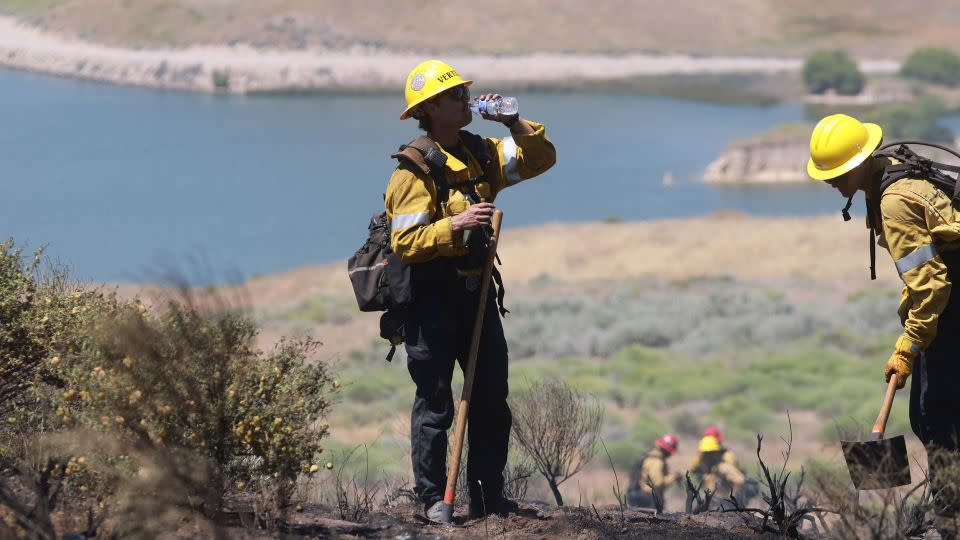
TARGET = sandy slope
(732,27)
(805,258)
(823,249)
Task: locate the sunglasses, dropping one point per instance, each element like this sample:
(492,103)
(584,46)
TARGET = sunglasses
(458,93)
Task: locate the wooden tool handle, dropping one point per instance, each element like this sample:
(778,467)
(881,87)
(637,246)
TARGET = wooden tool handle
(468,371)
(881,423)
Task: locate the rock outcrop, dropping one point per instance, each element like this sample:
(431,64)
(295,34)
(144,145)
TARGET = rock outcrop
(780,161)
(763,162)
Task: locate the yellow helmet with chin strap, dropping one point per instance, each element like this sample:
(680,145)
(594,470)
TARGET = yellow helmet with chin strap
(709,444)
(838,144)
(427,80)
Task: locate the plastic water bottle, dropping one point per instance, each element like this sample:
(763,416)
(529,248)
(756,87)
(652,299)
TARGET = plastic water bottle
(504,105)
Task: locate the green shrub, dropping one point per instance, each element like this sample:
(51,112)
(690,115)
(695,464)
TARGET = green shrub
(695,316)
(624,453)
(744,417)
(190,378)
(684,422)
(29,8)
(933,65)
(824,474)
(372,459)
(832,69)
(646,430)
(373,386)
(912,121)
(43,314)
(322,309)
(221,80)
(101,396)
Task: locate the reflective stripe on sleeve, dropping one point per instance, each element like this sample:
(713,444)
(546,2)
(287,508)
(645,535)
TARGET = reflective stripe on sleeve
(915,259)
(510,172)
(402,221)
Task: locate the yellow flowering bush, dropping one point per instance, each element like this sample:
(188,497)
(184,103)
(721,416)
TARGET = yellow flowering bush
(189,377)
(130,399)
(42,315)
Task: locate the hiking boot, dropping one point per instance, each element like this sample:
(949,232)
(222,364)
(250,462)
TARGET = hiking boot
(437,514)
(477,511)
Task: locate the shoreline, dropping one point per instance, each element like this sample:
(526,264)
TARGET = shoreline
(242,69)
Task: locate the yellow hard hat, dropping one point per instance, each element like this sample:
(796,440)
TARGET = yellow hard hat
(709,444)
(838,144)
(427,80)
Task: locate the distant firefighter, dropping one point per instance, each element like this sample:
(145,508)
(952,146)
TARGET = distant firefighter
(652,470)
(717,466)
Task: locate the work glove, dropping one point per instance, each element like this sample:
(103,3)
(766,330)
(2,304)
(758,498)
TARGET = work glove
(901,361)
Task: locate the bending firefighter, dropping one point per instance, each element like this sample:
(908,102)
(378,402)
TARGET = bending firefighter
(717,467)
(440,203)
(913,210)
(650,476)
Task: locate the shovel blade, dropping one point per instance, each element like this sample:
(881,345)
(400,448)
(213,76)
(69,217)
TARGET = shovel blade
(877,464)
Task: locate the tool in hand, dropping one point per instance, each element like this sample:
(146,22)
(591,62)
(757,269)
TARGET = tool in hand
(469,370)
(879,463)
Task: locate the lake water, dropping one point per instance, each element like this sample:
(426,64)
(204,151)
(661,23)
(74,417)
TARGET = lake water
(118,182)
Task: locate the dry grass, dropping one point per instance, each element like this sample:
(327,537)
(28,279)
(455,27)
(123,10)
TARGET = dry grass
(801,257)
(697,26)
(823,249)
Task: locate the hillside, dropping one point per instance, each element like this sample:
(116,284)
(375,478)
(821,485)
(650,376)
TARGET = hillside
(747,27)
(757,326)
(661,321)
(769,252)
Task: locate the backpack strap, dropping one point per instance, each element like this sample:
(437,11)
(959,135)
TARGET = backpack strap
(432,155)
(501,291)
(910,165)
(477,146)
(913,165)
(424,154)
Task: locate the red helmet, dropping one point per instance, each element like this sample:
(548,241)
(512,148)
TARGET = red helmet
(668,443)
(712,431)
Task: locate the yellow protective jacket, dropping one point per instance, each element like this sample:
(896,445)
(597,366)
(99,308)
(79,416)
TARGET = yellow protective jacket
(917,223)
(720,465)
(419,230)
(652,469)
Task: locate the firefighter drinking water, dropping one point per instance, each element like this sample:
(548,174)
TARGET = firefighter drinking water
(440,201)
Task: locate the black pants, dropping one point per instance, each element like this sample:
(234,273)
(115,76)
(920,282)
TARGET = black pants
(640,498)
(935,399)
(438,334)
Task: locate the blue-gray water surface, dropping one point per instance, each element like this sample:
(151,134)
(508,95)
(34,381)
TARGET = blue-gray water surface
(117,181)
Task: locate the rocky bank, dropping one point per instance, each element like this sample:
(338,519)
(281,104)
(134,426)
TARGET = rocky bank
(242,69)
(779,161)
(766,162)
